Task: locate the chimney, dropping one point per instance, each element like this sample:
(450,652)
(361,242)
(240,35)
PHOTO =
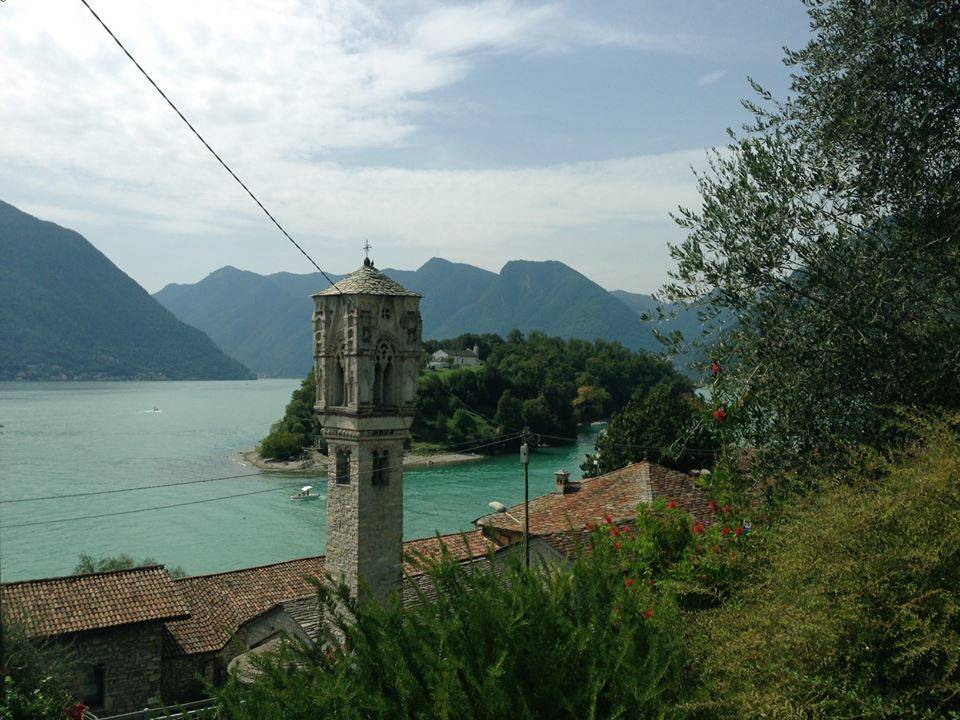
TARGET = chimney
(563,482)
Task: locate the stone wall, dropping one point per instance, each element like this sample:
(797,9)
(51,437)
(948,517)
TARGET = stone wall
(181,678)
(131,660)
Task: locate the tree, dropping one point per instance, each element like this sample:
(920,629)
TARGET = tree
(36,677)
(829,228)
(107,563)
(663,425)
(509,412)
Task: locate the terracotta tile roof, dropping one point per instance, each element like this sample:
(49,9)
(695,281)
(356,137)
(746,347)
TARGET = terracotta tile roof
(78,603)
(616,494)
(220,603)
(430,548)
(367,281)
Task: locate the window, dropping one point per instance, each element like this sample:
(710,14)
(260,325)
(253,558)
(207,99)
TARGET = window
(383,376)
(340,383)
(385,313)
(381,467)
(92,686)
(342,469)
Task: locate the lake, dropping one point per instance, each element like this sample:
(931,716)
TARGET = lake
(76,437)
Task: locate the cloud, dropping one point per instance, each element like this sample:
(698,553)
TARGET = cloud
(711,77)
(277,89)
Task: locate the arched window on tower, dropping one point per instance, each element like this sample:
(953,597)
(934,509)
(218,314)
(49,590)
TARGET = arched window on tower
(383,384)
(340,381)
(342,469)
(381,467)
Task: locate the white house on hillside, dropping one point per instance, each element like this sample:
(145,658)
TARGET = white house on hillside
(455,358)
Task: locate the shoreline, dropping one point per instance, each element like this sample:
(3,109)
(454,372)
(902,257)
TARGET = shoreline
(315,463)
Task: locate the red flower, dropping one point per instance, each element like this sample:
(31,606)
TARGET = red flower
(672,504)
(76,712)
(739,531)
(725,531)
(698,528)
(614,532)
(590,525)
(713,505)
(719,415)
(629,582)
(616,546)
(725,509)
(607,519)
(648,613)
(715,367)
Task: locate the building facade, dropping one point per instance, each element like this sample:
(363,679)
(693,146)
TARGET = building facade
(455,358)
(367,332)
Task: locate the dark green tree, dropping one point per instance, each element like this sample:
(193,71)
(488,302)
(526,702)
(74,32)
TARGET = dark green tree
(664,424)
(107,563)
(829,227)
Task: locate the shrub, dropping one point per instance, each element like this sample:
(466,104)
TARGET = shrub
(854,606)
(567,642)
(281,445)
(36,676)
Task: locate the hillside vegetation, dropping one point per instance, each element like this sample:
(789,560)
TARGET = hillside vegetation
(67,312)
(548,384)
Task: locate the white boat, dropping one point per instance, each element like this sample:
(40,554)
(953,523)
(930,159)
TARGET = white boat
(305,493)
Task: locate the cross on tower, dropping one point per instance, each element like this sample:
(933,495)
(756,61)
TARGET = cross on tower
(366,248)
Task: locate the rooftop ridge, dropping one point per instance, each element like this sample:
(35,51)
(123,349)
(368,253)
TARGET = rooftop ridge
(248,568)
(79,576)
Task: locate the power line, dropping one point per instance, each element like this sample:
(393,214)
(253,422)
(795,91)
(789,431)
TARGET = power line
(504,437)
(183,504)
(77,518)
(126,489)
(289,237)
(212,151)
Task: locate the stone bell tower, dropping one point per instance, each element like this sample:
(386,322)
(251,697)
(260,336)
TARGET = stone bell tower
(366,331)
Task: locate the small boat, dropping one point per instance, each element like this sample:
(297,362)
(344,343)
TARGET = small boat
(154,410)
(305,493)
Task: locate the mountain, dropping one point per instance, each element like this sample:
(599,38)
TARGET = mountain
(264,320)
(67,312)
(551,297)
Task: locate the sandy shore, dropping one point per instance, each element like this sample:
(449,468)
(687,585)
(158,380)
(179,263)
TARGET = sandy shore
(315,463)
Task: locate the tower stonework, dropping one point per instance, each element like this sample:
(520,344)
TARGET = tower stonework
(367,332)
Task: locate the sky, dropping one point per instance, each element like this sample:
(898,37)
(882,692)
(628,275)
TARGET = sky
(480,132)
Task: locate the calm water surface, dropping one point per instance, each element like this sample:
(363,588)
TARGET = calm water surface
(82,437)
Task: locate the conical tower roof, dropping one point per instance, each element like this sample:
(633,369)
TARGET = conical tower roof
(367,281)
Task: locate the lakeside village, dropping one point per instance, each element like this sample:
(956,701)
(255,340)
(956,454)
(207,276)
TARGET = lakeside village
(145,638)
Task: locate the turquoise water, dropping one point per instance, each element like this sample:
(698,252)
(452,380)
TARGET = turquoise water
(85,437)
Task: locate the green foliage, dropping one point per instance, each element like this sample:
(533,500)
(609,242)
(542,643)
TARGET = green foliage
(664,424)
(297,429)
(35,677)
(547,384)
(829,229)
(89,564)
(852,607)
(573,642)
(67,312)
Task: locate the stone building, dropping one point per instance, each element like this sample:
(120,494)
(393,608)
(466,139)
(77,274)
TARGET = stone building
(367,362)
(114,621)
(444,358)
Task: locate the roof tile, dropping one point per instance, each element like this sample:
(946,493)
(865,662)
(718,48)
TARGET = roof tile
(79,603)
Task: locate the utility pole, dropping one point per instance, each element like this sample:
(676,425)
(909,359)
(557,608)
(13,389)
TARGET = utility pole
(525,461)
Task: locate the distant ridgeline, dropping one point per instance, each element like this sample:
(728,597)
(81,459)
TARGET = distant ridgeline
(264,320)
(68,313)
(548,384)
